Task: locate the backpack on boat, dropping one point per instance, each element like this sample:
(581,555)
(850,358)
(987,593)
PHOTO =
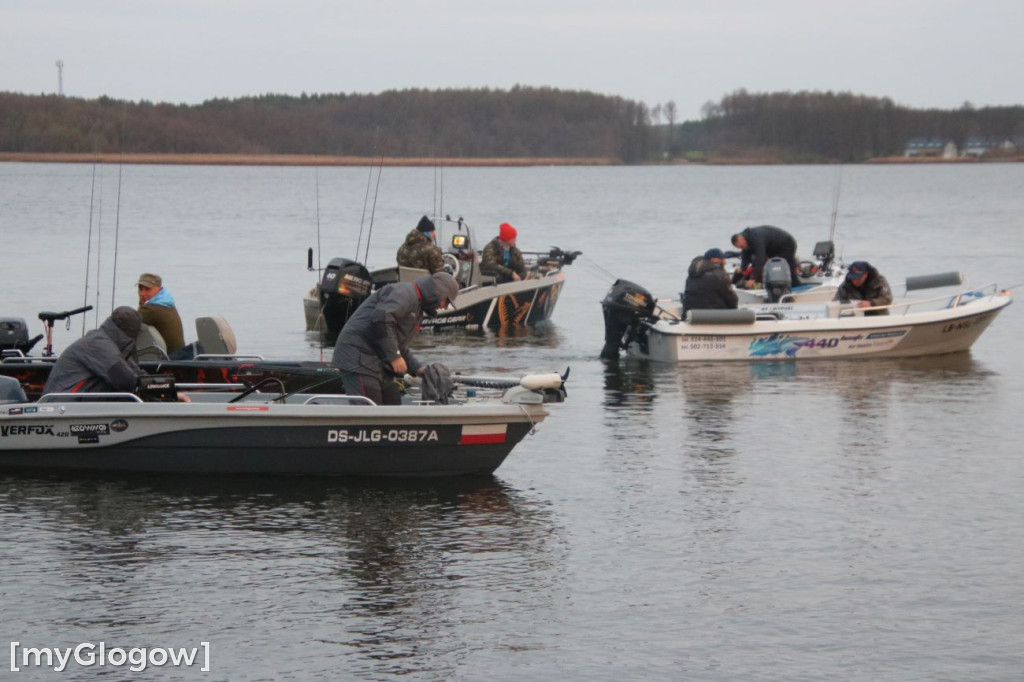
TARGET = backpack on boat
(438,385)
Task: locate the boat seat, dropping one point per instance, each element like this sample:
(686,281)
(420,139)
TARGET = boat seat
(216,336)
(150,344)
(11,391)
(407,274)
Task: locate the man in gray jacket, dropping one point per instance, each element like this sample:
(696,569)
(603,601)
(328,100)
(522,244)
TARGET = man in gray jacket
(373,347)
(101,361)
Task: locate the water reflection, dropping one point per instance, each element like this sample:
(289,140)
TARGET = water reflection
(710,391)
(629,385)
(388,572)
(547,335)
(870,400)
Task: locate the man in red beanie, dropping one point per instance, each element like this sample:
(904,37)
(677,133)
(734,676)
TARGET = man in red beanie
(502,259)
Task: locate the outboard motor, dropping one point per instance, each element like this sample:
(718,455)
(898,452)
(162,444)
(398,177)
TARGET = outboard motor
(14,335)
(777,279)
(625,306)
(344,285)
(559,257)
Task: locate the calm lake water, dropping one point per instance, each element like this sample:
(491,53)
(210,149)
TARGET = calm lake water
(858,520)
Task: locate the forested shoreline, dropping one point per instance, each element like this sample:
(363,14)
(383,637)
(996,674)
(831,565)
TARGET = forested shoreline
(520,126)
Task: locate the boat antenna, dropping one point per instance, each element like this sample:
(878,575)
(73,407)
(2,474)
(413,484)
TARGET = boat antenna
(117,210)
(88,246)
(836,186)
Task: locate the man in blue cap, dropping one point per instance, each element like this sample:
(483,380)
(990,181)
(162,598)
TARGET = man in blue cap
(708,285)
(865,286)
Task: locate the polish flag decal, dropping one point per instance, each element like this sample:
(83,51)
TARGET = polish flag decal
(479,434)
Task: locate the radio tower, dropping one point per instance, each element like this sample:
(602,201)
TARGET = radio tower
(60,77)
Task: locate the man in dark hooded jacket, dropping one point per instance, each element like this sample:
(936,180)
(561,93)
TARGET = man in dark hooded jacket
(101,361)
(708,286)
(373,347)
(866,287)
(758,244)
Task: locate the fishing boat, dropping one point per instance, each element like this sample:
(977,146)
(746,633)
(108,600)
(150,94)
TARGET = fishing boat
(482,304)
(220,364)
(797,330)
(823,272)
(279,433)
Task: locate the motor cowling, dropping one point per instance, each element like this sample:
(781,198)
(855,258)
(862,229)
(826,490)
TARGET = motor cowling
(14,335)
(777,279)
(344,286)
(625,306)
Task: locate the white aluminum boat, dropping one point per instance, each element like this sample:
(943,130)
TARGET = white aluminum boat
(801,330)
(233,433)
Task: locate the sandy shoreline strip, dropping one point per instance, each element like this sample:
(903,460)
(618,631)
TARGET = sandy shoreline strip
(292,160)
(326,160)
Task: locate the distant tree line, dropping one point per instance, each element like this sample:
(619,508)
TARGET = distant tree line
(521,122)
(828,126)
(472,123)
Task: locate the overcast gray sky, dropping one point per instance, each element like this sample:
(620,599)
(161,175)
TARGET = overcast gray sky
(934,53)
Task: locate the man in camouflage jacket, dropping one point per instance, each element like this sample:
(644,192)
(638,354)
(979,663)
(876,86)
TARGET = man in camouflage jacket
(502,259)
(419,249)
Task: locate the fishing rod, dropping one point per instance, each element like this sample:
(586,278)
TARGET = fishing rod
(373,210)
(366,197)
(836,186)
(88,246)
(362,218)
(438,179)
(318,249)
(99,253)
(117,211)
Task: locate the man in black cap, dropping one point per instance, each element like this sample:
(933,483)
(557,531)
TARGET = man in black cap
(757,245)
(865,286)
(101,361)
(420,250)
(708,286)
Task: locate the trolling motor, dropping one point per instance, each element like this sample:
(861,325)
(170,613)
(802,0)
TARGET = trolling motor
(777,279)
(625,306)
(560,257)
(344,286)
(48,319)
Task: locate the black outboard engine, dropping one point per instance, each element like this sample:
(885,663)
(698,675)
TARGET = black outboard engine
(625,306)
(556,255)
(14,335)
(344,285)
(777,279)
